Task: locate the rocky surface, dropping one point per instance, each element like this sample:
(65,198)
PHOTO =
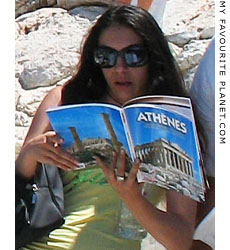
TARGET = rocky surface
(48,40)
(25,6)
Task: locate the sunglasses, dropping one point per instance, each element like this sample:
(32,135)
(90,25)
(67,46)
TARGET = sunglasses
(133,56)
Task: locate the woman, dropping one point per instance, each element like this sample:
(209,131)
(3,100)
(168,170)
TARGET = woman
(125,55)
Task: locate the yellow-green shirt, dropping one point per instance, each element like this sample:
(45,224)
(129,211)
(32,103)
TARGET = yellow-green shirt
(91,207)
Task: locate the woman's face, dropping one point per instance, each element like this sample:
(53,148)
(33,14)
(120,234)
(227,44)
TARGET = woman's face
(124,82)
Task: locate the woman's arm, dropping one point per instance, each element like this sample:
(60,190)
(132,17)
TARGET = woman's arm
(174,228)
(42,145)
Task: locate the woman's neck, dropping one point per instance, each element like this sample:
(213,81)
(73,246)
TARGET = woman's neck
(112,100)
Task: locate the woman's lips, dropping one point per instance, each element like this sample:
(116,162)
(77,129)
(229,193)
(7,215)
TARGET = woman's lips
(123,84)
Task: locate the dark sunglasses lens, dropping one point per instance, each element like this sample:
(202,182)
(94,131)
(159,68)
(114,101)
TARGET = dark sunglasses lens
(105,57)
(136,57)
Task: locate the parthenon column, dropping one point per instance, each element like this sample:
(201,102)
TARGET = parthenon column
(77,145)
(111,132)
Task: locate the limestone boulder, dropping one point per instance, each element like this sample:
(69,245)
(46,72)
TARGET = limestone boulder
(25,6)
(69,4)
(48,46)
(191,54)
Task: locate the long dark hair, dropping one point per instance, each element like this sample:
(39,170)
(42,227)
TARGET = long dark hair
(164,77)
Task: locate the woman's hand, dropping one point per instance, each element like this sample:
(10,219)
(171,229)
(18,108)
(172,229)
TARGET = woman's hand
(46,149)
(126,187)
(174,227)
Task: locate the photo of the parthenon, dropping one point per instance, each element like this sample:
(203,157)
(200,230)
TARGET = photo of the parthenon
(168,165)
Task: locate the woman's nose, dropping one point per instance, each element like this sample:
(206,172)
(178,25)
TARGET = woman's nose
(120,64)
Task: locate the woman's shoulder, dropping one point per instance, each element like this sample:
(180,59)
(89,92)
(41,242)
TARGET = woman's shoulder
(53,98)
(55,94)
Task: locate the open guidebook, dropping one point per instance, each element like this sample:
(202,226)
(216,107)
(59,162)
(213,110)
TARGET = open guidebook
(159,130)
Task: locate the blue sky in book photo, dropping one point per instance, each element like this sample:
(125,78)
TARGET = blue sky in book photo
(152,127)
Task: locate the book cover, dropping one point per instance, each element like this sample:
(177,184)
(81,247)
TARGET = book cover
(158,130)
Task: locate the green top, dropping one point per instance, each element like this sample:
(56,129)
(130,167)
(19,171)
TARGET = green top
(90,215)
(91,207)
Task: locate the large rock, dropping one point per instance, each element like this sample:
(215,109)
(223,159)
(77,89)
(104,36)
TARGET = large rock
(183,38)
(90,13)
(190,57)
(24,6)
(69,4)
(191,54)
(48,46)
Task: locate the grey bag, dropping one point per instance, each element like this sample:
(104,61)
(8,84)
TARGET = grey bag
(39,205)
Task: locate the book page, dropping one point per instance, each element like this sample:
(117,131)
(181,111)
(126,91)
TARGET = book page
(88,130)
(164,140)
(161,99)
